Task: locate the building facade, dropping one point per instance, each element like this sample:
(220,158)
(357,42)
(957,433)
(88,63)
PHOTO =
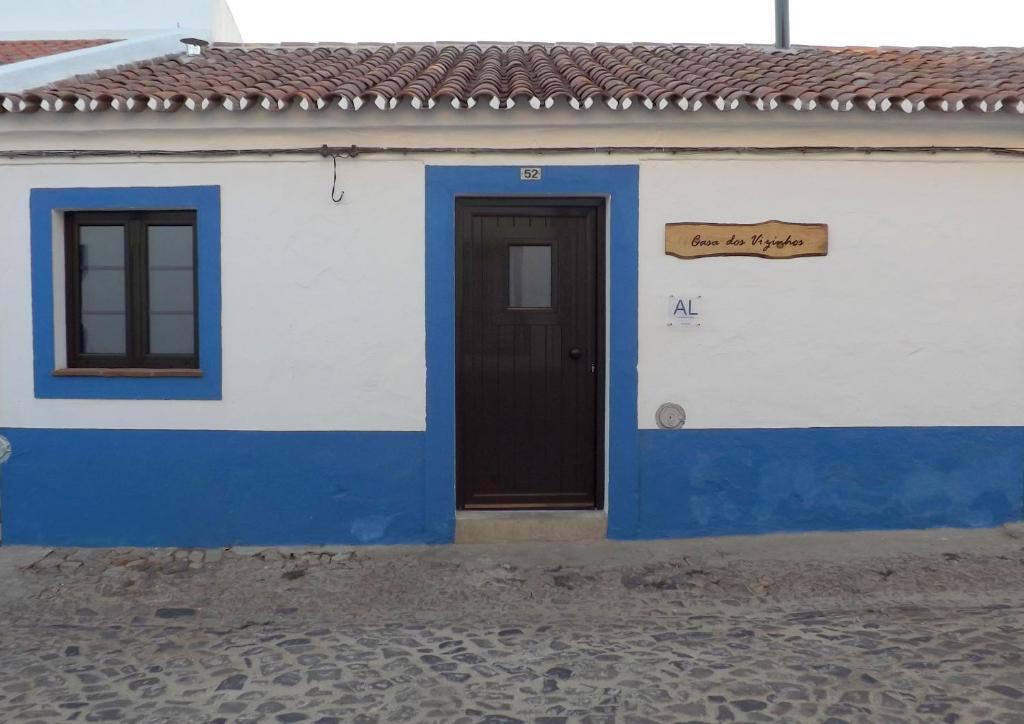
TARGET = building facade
(278,315)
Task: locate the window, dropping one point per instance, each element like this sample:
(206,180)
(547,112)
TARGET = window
(131,289)
(56,213)
(529,276)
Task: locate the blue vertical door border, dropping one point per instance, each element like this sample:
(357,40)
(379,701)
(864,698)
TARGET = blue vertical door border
(620,185)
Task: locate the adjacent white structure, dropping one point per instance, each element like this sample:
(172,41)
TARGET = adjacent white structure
(118,19)
(137,30)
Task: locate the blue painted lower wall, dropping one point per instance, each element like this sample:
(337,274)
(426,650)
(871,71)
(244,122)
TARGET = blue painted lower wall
(202,488)
(720,482)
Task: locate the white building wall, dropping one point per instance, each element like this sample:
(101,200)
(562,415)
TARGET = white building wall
(322,302)
(915,317)
(912,318)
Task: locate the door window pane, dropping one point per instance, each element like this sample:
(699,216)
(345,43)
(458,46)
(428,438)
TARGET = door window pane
(171,292)
(529,276)
(102,283)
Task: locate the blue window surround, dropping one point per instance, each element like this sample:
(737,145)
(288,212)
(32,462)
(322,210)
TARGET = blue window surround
(620,185)
(205,200)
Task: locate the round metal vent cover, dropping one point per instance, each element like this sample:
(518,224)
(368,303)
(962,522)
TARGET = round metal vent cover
(5,449)
(670,416)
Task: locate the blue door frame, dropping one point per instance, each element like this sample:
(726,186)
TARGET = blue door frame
(619,184)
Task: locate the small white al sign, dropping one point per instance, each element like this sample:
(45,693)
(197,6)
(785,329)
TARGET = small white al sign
(685,311)
(529,173)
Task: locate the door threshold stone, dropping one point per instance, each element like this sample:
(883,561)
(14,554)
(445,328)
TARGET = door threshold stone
(513,526)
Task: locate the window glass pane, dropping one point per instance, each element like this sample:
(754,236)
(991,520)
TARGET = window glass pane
(170,246)
(171,334)
(101,245)
(102,291)
(101,269)
(529,276)
(103,333)
(171,290)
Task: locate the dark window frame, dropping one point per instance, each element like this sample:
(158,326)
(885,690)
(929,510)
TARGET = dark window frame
(136,290)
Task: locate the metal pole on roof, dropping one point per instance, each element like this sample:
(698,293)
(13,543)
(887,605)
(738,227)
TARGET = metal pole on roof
(781,23)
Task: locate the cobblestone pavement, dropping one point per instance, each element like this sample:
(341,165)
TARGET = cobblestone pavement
(499,635)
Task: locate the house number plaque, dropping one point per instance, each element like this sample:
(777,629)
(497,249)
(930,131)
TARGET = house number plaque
(768,240)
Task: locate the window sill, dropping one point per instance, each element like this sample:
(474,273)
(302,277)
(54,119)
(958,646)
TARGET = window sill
(125,372)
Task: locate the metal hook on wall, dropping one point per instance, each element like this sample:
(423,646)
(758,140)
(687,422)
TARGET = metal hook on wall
(335,154)
(335,196)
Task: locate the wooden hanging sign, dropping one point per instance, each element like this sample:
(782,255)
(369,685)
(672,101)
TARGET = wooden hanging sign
(768,240)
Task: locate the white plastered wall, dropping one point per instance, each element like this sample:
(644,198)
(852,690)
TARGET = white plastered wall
(912,318)
(915,316)
(322,309)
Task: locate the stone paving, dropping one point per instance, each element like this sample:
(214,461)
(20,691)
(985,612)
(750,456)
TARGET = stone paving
(467,636)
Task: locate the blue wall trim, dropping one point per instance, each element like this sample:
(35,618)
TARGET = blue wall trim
(203,488)
(213,488)
(620,185)
(728,482)
(205,200)
(218,488)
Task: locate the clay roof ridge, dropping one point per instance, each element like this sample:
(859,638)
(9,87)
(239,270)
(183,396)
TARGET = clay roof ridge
(657,76)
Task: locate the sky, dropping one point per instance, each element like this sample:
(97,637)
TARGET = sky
(814,22)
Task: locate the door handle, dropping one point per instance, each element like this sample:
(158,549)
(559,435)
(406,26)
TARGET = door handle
(575,353)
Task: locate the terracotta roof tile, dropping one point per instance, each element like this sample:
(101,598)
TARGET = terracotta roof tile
(313,77)
(14,51)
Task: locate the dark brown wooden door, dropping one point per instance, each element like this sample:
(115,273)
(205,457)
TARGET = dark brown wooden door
(529,353)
